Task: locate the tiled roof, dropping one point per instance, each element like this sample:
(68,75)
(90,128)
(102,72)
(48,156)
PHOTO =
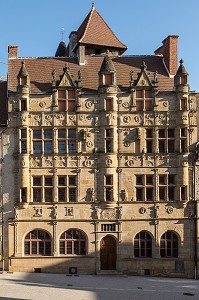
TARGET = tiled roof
(3,103)
(95,31)
(40,69)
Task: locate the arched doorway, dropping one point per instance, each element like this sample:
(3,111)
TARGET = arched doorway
(108,253)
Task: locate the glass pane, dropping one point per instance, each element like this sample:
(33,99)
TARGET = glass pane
(48,133)
(71,133)
(37,195)
(171,179)
(149,133)
(61,105)
(48,147)
(171,148)
(61,133)
(61,195)
(34,234)
(37,181)
(109,179)
(61,147)
(48,248)
(48,181)
(48,195)
(108,146)
(72,180)
(76,234)
(139,180)
(34,248)
(171,133)
(37,147)
(76,247)
(162,179)
(62,248)
(83,248)
(41,234)
(148,94)
(109,104)
(69,234)
(36,134)
(23,133)
(71,105)
(139,94)
(69,247)
(41,248)
(162,193)
(161,146)
(71,146)
(27,247)
(107,79)
(171,191)
(139,194)
(71,94)
(149,179)
(161,133)
(139,105)
(149,194)
(62,94)
(23,147)
(72,195)
(61,180)
(148,105)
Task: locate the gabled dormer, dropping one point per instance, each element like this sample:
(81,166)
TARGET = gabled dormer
(65,90)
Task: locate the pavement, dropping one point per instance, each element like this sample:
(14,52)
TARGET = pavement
(45,286)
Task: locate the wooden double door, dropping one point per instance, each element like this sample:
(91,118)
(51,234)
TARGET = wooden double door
(108,253)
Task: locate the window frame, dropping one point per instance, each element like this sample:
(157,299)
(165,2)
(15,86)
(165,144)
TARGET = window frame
(143,245)
(71,243)
(30,243)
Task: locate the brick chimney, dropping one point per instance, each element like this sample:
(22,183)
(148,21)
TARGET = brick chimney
(169,50)
(12,51)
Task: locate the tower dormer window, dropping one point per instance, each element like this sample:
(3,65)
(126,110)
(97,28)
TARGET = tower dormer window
(183,79)
(23,80)
(108,79)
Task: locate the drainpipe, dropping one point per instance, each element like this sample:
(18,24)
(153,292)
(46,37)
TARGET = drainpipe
(1,195)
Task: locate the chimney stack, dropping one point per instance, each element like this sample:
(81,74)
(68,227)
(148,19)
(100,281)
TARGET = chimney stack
(12,51)
(169,50)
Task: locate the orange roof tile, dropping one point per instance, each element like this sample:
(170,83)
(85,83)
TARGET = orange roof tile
(95,31)
(40,69)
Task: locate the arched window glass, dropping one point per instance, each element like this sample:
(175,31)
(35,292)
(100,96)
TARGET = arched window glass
(169,245)
(37,242)
(72,242)
(143,245)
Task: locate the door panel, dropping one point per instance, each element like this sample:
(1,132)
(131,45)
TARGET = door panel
(108,253)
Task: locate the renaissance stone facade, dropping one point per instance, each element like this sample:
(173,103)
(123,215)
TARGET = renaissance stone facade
(102,159)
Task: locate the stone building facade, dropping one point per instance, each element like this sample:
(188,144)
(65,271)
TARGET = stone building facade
(101,158)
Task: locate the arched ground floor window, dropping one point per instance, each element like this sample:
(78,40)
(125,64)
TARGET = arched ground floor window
(72,242)
(37,242)
(169,245)
(143,245)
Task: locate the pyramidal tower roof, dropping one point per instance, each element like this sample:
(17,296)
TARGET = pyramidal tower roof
(95,31)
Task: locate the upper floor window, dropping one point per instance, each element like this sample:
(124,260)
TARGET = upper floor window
(144,188)
(109,140)
(23,141)
(72,140)
(183,140)
(67,188)
(108,185)
(183,79)
(72,242)
(109,104)
(166,140)
(42,189)
(143,245)
(108,79)
(42,141)
(143,100)
(167,187)
(66,100)
(169,245)
(149,140)
(37,242)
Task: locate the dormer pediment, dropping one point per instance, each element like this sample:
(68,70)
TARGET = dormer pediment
(66,79)
(143,79)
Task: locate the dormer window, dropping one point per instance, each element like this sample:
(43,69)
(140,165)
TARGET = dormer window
(183,79)
(66,100)
(143,100)
(108,79)
(109,104)
(23,80)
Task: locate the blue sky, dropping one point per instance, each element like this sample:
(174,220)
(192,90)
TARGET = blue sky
(35,26)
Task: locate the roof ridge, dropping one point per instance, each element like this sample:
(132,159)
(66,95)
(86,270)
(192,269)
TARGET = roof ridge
(91,12)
